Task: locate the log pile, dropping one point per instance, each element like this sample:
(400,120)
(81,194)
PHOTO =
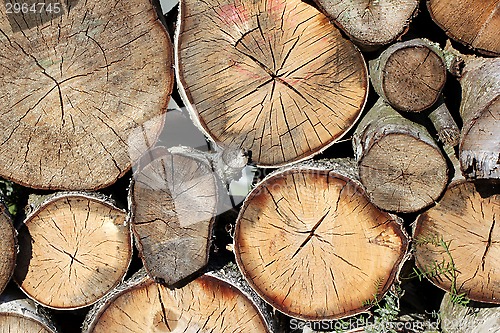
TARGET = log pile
(117,214)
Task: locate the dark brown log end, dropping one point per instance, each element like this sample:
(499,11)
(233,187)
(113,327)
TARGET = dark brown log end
(174,204)
(279,81)
(457,241)
(8,247)
(312,245)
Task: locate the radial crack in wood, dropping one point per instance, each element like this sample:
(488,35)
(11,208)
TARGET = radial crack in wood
(74,249)
(473,23)
(311,244)
(174,201)
(206,304)
(400,164)
(371,23)
(75,86)
(271,76)
(457,242)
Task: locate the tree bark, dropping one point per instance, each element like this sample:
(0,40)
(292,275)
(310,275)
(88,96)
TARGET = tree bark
(19,315)
(456,241)
(371,24)
(8,247)
(409,75)
(295,236)
(480,111)
(399,162)
(206,304)
(474,318)
(272,77)
(446,127)
(76,84)
(74,248)
(174,202)
(473,23)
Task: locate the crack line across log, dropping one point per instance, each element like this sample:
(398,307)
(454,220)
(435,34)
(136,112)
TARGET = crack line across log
(311,233)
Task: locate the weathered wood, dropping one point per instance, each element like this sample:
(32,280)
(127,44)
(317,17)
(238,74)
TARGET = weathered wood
(409,75)
(446,127)
(8,247)
(272,77)
(457,241)
(206,304)
(19,315)
(480,111)
(74,85)
(473,318)
(174,201)
(400,164)
(371,24)
(473,23)
(73,249)
(311,244)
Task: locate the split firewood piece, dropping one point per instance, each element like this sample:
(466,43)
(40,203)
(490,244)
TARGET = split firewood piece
(18,315)
(174,199)
(400,164)
(75,83)
(74,248)
(480,110)
(473,318)
(473,23)
(371,24)
(280,81)
(8,247)
(446,127)
(457,242)
(207,304)
(294,241)
(409,75)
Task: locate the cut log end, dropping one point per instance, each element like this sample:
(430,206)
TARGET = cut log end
(409,75)
(456,241)
(20,315)
(280,80)
(312,245)
(75,87)
(371,23)
(206,304)
(73,249)
(473,23)
(8,247)
(174,204)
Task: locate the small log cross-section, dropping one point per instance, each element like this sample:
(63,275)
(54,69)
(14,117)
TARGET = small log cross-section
(400,164)
(471,22)
(18,315)
(74,248)
(457,242)
(409,75)
(206,304)
(74,87)
(311,244)
(8,247)
(174,203)
(480,110)
(273,77)
(369,23)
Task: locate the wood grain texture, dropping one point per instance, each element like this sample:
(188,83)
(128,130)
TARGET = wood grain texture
(74,249)
(271,76)
(311,244)
(20,315)
(480,111)
(174,205)
(8,247)
(206,304)
(473,23)
(466,217)
(76,87)
(371,23)
(400,164)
